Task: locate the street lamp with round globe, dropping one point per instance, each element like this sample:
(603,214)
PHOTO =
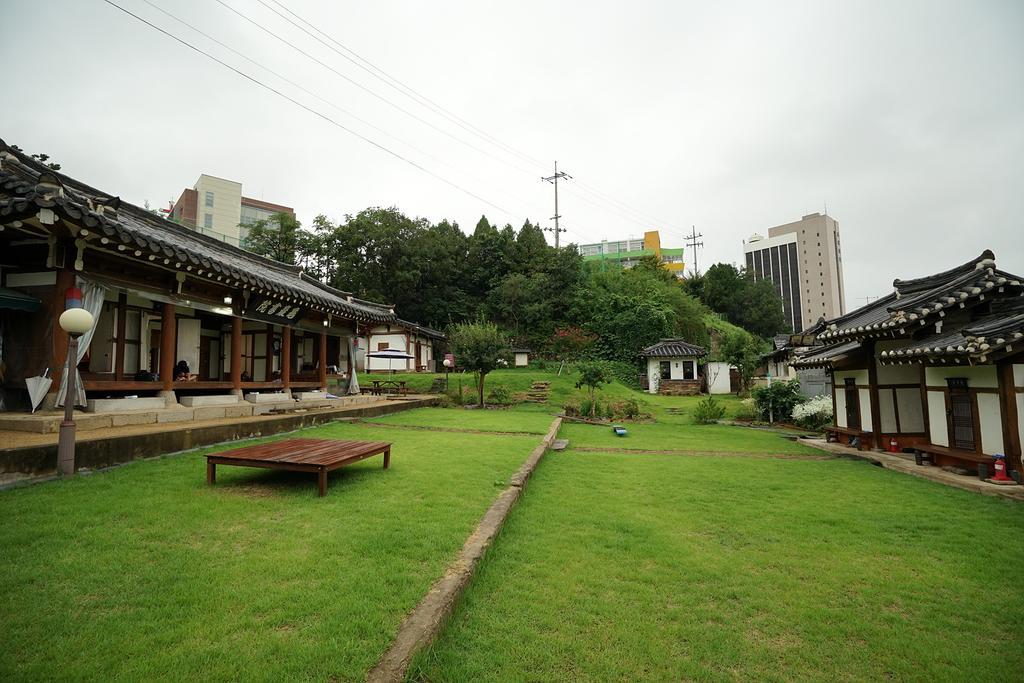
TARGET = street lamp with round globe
(447,363)
(76,322)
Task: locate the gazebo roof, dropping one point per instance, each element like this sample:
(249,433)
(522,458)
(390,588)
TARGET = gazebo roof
(673,348)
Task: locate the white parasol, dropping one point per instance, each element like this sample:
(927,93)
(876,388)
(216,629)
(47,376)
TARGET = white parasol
(37,387)
(390,354)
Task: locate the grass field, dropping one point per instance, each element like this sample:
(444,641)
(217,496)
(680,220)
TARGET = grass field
(143,572)
(625,567)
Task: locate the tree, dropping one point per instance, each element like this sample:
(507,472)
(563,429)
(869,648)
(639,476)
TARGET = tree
(592,375)
(276,237)
(478,346)
(753,305)
(744,350)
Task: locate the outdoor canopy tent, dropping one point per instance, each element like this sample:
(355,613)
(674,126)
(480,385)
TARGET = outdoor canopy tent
(390,355)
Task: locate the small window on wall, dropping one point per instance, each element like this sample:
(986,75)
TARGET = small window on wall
(382,346)
(209,199)
(208,220)
(688,367)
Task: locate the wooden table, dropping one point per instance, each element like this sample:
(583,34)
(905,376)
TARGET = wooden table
(299,455)
(384,386)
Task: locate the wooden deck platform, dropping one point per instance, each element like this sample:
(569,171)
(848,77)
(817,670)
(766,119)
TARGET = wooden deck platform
(299,455)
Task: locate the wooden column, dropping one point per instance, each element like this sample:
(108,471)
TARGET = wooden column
(65,280)
(286,357)
(876,410)
(122,314)
(322,373)
(236,354)
(408,343)
(1008,410)
(168,347)
(268,374)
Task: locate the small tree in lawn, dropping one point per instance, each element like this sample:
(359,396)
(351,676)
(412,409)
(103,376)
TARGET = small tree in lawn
(592,375)
(479,347)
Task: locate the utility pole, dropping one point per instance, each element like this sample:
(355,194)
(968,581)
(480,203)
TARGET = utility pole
(554,179)
(692,243)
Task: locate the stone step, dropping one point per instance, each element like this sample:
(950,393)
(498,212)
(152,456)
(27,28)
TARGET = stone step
(209,400)
(120,405)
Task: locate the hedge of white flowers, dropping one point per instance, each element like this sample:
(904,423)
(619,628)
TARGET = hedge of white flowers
(814,413)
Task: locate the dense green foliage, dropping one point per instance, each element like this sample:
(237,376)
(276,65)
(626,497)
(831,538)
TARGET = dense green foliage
(776,401)
(754,306)
(541,297)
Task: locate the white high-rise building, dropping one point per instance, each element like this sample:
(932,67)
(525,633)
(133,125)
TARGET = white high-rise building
(805,263)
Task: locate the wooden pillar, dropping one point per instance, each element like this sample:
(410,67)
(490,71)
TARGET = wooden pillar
(122,314)
(236,354)
(65,280)
(408,342)
(268,374)
(322,371)
(924,404)
(1010,418)
(286,357)
(876,410)
(168,347)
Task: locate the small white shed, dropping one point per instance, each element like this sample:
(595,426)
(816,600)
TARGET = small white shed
(522,357)
(672,367)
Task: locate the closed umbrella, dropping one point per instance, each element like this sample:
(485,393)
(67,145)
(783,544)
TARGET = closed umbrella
(37,387)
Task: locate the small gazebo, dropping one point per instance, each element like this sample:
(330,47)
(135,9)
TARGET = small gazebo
(673,367)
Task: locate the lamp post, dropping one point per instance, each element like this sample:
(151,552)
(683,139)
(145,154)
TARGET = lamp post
(447,362)
(76,322)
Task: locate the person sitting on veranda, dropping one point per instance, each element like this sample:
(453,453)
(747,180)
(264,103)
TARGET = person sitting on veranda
(182,372)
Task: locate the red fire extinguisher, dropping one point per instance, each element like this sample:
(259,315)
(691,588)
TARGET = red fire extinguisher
(894,446)
(1000,468)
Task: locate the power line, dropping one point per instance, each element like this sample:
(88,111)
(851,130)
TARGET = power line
(425,101)
(366,89)
(691,241)
(401,87)
(554,179)
(309,109)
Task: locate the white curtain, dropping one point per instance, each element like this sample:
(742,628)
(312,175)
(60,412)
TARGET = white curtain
(353,381)
(92,301)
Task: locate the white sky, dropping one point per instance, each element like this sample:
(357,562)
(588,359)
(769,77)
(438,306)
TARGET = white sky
(905,118)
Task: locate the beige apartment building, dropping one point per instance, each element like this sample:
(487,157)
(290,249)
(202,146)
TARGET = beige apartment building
(216,207)
(804,261)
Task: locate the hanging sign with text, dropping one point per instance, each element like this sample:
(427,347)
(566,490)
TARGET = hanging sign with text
(273,311)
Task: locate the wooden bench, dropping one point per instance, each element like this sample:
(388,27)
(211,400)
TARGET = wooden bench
(299,455)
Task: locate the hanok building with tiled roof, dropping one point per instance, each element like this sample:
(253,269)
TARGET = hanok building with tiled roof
(161,293)
(418,341)
(673,367)
(936,366)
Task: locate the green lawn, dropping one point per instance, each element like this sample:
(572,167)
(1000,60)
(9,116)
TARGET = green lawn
(681,435)
(526,421)
(143,572)
(616,567)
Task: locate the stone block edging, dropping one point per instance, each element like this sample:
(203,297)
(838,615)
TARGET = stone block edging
(424,623)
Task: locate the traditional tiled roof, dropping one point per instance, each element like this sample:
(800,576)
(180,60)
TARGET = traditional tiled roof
(26,186)
(916,302)
(673,348)
(999,332)
(421,329)
(825,356)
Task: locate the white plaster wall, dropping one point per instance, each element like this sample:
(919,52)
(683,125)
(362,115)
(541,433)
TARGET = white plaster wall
(978,376)
(859,376)
(840,408)
(911,411)
(899,374)
(887,411)
(991,424)
(522,360)
(394,340)
(188,343)
(653,375)
(865,409)
(718,377)
(1018,375)
(938,432)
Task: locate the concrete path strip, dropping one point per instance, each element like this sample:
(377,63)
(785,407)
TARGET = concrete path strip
(424,623)
(902,463)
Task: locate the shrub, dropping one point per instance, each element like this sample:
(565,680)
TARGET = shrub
(748,410)
(708,411)
(500,395)
(776,401)
(814,414)
(629,408)
(572,408)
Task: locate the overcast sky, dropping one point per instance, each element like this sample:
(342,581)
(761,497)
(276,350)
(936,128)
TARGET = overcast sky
(905,118)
